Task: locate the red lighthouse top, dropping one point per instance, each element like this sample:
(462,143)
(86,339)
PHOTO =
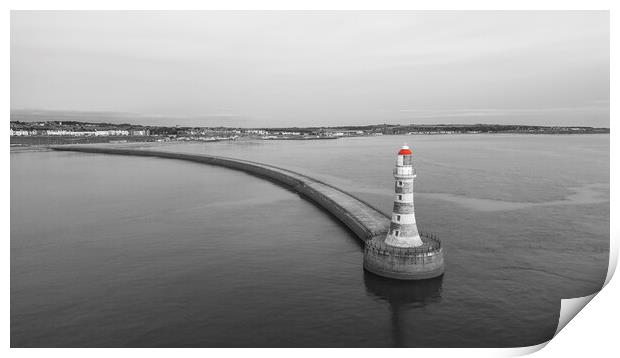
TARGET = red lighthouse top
(404,150)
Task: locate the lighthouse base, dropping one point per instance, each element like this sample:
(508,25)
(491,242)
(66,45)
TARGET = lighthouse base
(405,263)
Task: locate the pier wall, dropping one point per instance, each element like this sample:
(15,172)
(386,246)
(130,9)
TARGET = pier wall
(360,230)
(323,195)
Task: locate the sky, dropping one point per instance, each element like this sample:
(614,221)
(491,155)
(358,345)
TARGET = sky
(270,69)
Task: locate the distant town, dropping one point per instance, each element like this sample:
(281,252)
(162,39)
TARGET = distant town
(25,133)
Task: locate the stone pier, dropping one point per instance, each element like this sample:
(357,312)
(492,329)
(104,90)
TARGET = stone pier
(366,222)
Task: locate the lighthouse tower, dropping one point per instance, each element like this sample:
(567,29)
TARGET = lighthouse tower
(403,229)
(402,252)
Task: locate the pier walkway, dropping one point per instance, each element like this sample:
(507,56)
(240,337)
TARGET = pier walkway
(360,217)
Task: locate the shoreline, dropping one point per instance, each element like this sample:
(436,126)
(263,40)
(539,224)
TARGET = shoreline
(22,147)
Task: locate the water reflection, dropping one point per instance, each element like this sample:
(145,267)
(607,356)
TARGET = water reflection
(403,296)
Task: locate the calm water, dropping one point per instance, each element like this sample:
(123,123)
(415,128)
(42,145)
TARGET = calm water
(123,251)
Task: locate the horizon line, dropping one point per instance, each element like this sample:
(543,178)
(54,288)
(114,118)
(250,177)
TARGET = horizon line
(215,116)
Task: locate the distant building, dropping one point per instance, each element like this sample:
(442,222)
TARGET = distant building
(256,131)
(57,132)
(119,132)
(141,132)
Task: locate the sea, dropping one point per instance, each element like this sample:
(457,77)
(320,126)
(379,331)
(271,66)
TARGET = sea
(119,251)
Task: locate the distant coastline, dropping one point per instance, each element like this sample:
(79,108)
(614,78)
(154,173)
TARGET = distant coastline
(26,134)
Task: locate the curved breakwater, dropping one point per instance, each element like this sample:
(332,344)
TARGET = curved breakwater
(361,218)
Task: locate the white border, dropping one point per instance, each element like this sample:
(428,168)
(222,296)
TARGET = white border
(593,330)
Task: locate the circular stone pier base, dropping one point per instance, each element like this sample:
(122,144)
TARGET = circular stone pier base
(405,263)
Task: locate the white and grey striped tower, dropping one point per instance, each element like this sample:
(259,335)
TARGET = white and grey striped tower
(404,253)
(403,229)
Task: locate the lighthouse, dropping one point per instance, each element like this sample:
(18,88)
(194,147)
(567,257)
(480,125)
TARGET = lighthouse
(403,229)
(403,252)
